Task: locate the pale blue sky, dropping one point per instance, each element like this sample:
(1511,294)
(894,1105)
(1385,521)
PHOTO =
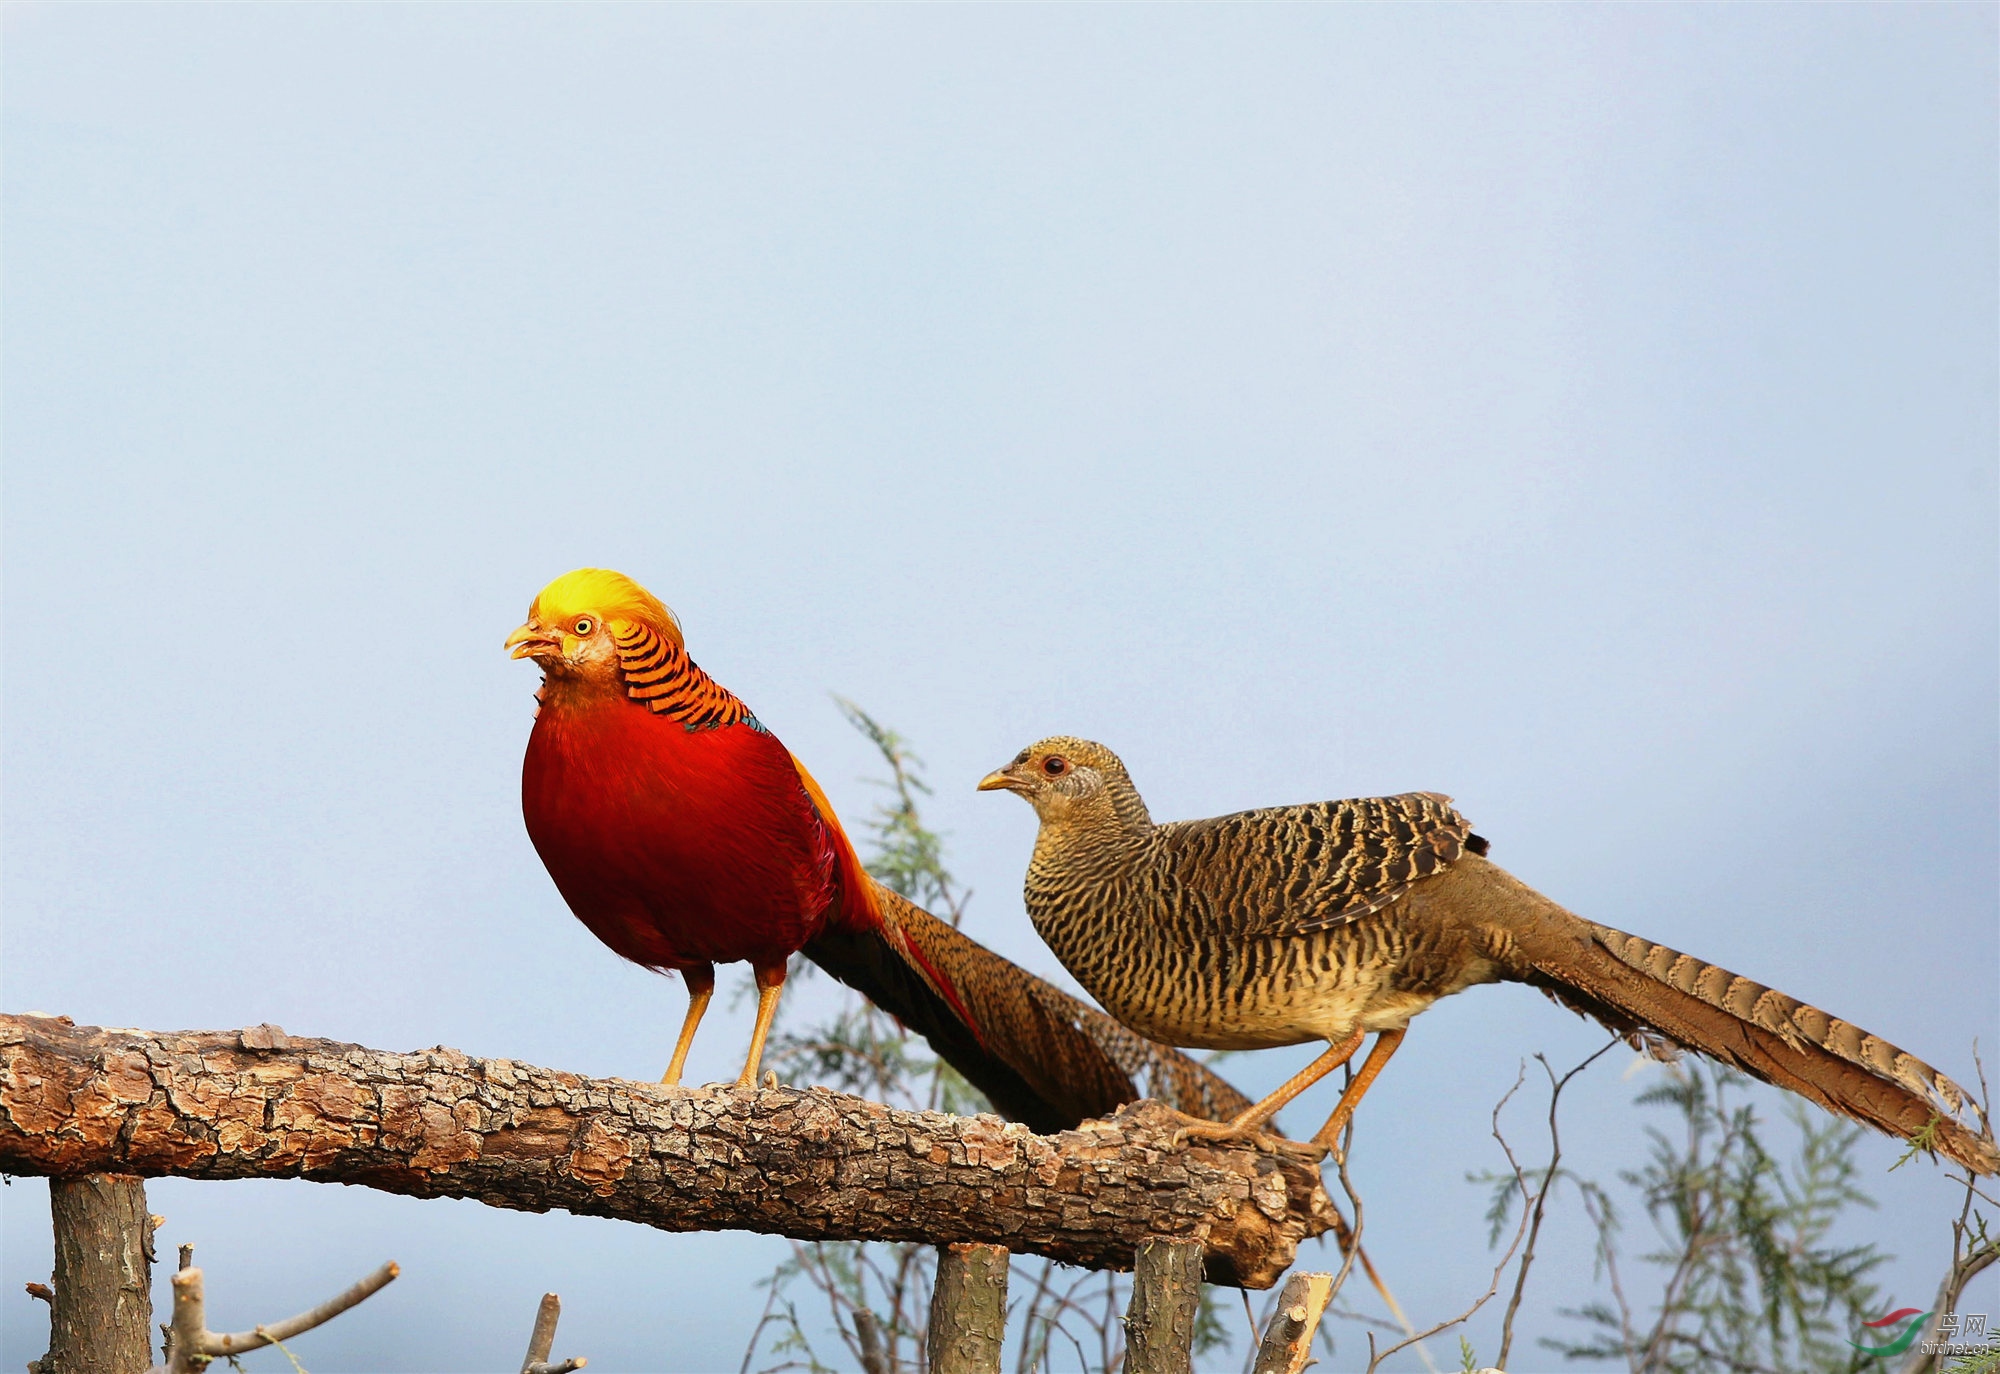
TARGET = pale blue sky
(1588,412)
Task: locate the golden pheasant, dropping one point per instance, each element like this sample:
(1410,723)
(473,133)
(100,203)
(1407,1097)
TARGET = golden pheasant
(683,834)
(1329,920)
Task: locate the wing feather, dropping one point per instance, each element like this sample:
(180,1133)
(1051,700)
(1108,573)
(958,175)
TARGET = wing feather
(1292,870)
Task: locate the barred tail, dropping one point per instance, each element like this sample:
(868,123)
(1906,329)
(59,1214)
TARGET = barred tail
(1651,994)
(1796,1023)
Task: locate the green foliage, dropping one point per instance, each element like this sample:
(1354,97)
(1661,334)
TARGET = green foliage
(1749,1279)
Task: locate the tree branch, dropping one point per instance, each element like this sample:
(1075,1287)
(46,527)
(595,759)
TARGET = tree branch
(194,1345)
(1166,1297)
(1287,1343)
(542,1339)
(100,1305)
(968,1310)
(813,1165)
(1541,1203)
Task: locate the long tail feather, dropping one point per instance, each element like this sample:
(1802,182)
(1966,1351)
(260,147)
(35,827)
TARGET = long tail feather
(1041,1057)
(1649,992)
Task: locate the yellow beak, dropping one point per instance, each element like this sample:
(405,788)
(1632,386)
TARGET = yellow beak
(525,641)
(999,781)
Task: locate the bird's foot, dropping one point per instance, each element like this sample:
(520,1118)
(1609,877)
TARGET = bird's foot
(1252,1134)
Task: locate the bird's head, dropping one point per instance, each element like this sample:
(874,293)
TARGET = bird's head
(570,624)
(1068,779)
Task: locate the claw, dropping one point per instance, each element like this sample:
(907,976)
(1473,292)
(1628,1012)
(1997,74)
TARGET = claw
(1196,1128)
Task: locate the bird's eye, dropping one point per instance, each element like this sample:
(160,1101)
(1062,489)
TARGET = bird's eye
(1055,765)
(584,625)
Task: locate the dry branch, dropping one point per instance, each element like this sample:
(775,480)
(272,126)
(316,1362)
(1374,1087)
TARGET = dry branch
(813,1165)
(542,1339)
(192,1345)
(1287,1345)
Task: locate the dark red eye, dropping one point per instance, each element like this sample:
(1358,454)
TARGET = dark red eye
(1055,765)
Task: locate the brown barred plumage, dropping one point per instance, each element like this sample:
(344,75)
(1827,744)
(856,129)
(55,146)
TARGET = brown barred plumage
(1289,924)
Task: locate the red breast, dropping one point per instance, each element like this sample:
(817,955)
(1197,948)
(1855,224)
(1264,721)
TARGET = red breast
(675,846)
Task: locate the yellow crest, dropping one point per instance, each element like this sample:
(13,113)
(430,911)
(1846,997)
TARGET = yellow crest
(610,596)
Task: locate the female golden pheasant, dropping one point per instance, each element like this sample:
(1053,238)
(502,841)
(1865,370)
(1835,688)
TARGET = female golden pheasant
(683,834)
(1328,920)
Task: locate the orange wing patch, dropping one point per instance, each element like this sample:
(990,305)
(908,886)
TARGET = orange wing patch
(857,889)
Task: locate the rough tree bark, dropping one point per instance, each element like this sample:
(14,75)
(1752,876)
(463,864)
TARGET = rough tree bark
(813,1165)
(968,1310)
(101,1314)
(1166,1297)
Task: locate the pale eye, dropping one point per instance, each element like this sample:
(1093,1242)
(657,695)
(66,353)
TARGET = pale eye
(1055,765)
(584,625)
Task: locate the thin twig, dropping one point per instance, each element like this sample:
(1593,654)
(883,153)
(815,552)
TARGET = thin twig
(1664,1329)
(1556,1086)
(1605,1224)
(1374,1358)
(1025,1361)
(194,1344)
(237,1342)
(1973,1250)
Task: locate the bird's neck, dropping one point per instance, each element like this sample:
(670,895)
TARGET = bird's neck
(1085,871)
(1114,817)
(658,671)
(574,693)
(1102,843)
(653,673)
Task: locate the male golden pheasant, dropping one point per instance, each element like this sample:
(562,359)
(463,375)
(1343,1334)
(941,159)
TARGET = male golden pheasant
(1328,920)
(683,834)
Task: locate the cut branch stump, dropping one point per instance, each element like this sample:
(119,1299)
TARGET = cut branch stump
(968,1309)
(1287,1344)
(1166,1295)
(542,1339)
(813,1165)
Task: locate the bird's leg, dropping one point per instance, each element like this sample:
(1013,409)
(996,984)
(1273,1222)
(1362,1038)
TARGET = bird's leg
(1378,1055)
(701,987)
(1249,1125)
(770,982)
